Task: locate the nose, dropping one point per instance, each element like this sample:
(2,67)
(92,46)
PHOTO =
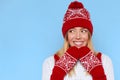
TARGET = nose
(78,36)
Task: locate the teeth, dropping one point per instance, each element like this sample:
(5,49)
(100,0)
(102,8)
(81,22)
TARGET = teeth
(78,42)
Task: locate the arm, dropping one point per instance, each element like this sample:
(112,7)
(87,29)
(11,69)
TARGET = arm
(65,64)
(108,67)
(47,67)
(92,64)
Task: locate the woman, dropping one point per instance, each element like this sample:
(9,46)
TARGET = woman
(77,60)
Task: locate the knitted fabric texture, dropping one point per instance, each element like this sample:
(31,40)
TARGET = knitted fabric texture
(76,16)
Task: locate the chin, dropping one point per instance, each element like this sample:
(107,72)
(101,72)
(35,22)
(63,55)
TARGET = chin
(79,46)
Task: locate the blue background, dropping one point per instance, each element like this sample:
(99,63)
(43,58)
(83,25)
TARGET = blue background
(30,31)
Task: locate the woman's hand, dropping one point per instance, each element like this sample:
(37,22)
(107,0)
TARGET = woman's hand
(65,63)
(92,63)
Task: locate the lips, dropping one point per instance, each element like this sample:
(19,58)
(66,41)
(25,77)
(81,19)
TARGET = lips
(78,43)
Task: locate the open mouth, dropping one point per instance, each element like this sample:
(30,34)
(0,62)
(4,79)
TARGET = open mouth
(78,43)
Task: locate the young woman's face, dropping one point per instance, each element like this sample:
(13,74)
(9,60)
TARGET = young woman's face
(78,36)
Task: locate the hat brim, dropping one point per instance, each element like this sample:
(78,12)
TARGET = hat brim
(78,22)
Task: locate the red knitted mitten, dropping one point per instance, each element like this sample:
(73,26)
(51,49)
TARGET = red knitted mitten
(92,64)
(65,64)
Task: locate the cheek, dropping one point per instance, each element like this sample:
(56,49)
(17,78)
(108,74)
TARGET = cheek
(86,38)
(70,38)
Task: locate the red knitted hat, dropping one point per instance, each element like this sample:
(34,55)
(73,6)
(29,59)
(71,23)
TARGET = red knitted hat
(76,16)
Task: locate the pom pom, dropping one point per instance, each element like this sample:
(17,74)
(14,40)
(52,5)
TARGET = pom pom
(76,5)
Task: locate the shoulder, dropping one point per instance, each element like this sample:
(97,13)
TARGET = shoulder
(105,58)
(107,62)
(49,60)
(47,67)
(48,64)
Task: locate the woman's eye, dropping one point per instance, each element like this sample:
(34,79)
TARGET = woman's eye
(84,30)
(71,31)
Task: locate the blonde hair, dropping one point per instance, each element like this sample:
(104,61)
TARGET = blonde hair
(66,46)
